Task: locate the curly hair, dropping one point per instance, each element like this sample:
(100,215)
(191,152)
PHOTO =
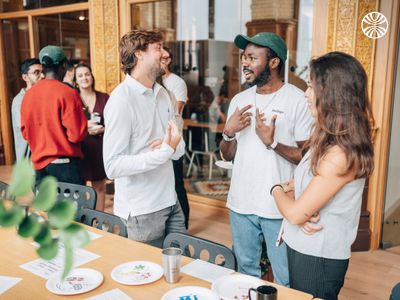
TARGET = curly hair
(344,115)
(133,41)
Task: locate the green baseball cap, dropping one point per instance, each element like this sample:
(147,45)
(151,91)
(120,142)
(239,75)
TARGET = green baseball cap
(54,52)
(264,39)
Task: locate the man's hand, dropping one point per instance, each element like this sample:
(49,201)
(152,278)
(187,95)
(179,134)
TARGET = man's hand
(172,135)
(310,227)
(239,120)
(265,132)
(156,144)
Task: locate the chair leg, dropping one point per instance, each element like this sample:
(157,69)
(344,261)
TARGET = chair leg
(211,165)
(190,164)
(220,169)
(198,162)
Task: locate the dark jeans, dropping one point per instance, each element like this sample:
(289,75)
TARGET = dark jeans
(180,189)
(321,277)
(68,172)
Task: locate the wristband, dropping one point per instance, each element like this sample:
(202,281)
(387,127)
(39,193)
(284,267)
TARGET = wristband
(227,138)
(274,186)
(272,146)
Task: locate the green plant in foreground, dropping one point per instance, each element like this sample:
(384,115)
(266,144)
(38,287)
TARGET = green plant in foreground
(59,226)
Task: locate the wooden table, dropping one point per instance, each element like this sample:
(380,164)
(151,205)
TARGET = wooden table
(114,250)
(212,126)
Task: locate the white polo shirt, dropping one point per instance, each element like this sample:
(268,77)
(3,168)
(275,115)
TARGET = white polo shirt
(144,180)
(255,168)
(177,86)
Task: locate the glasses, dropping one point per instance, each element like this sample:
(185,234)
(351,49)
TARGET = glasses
(247,59)
(36,72)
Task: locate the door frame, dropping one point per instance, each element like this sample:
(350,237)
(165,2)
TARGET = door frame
(5,110)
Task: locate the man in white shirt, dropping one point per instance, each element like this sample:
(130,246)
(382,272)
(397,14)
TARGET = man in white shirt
(140,142)
(31,72)
(266,128)
(178,88)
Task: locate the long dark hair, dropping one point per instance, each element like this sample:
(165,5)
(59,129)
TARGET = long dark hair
(344,116)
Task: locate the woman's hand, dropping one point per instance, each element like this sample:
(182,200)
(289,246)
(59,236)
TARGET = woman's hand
(310,227)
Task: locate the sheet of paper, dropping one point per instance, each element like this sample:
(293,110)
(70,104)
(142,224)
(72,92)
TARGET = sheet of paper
(205,270)
(7,282)
(115,294)
(93,235)
(45,269)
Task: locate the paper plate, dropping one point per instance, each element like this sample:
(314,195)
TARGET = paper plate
(236,286)
(94,127)
(190,293)
(228,165)
(137,272)
(79,281)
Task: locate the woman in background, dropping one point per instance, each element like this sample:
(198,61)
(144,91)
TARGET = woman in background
(92,146)
(330,178)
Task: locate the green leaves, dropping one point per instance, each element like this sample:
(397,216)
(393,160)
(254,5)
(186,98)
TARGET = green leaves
(47,194)
(48,251)
(74,236)
(22,178)
(30,226)
(62,214)
(12,217)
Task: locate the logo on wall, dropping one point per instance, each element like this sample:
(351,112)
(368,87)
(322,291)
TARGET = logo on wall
(374,25)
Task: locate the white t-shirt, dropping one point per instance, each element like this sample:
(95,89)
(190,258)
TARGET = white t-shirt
(255,168)
(177,86)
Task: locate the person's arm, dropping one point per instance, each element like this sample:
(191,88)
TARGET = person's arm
(266,134)
(118,161)
(320,190)
(238,120)
(73,119)
(179,106)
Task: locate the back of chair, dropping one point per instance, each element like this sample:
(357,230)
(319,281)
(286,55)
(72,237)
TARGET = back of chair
(214,250)
(102,220)
(201,139)
(84,196)
(3,189)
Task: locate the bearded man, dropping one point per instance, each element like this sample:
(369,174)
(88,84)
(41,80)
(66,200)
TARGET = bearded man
(267,125)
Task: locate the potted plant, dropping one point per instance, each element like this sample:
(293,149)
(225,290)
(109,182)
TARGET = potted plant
(40,216)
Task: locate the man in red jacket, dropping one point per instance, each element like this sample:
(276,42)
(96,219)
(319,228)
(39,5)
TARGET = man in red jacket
(53,122)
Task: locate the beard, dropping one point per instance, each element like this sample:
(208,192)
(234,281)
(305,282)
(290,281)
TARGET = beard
(263,78)
(156,71)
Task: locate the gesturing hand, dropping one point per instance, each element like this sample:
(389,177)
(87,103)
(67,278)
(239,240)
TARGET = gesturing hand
(265,132)
(172,135)
(240,119)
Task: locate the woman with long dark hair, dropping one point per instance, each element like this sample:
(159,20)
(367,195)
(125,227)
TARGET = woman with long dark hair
(329,181)
(92,146)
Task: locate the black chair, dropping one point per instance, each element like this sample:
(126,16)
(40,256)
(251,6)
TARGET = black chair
(102,220)
(215,250)
(3,189)
(84,196)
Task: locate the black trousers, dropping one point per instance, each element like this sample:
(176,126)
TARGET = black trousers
(68,172)
(321,277)
(180,189)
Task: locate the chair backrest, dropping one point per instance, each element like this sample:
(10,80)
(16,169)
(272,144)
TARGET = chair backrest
(201,139)
(102,220)
(216,251)
(3,189)
(84,196)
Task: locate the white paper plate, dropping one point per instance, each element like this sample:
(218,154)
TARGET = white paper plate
(94,127)
(190,292)
(79,281)
(137,272)
(236,286)
(228,165)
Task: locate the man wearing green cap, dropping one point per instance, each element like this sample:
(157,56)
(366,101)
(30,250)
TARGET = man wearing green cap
(267,125)
(53,122)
